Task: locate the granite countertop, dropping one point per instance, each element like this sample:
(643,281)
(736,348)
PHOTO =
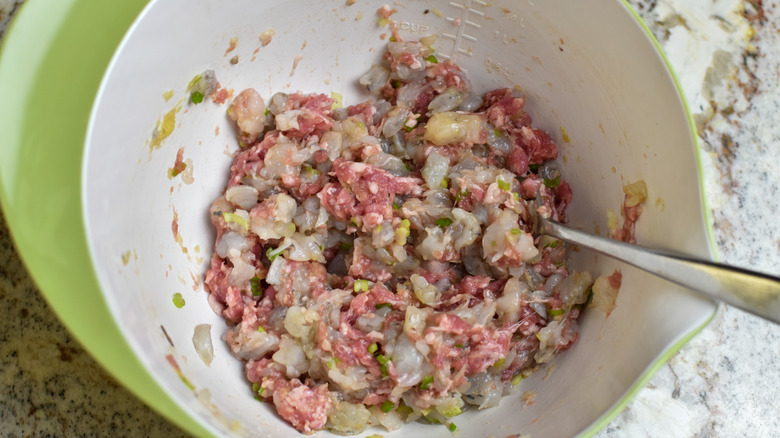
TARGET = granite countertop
(722,383)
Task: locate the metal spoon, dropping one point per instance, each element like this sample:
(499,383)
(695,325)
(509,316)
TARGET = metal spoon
(753,292)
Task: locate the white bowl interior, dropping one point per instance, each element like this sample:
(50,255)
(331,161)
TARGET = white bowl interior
(586,68)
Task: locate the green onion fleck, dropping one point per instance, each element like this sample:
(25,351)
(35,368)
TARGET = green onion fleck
(392,39)
(533,167)
(396,84)
(408,167)
(361,285)
(345,246)
(373,348)
(555,312)
(396,206)
(552,183)
(516,231)
(271,253)
(382,359)
(426,382)
(444,222)
(178,300)
(379,228)
(261,391)
(236,219)
(499,362)
(266,112)
(380,305)
(383,369)
(553,244)
(516,379)
(194,82)
(255,284)
(257,397)
(196,97)
(255,387)
(453,427)
(432,59)
(444,183)
(458,345)
(260,329)
(387,406)
(503,185)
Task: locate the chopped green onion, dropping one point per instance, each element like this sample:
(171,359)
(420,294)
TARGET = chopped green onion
(444,222)
(339,100)
(345,246)
(516,379)
(373,348)
(533,167)
(426,382)
(556,312)
(516,196)
(387,406)
(382,359)
(260,329)
(266,112)
(361,285)
(408,128)
(255,387)
(236,219)
(461,194)
(500,362)
(272,253)
(396,84)
(310,169)
(453,411)
(552,183)
(196,97)
(553,244)
(332,362)
(392,39)
(258,398)
(503,185)
(408,167)
(432,59)
(516,231)
(379,228)
(444,183)
(453,427)
(178,300)
(261,391)
(353,222)
(498,133)
(383,369)
(380,305)
(255,284)
(396,206)
(458,345)
(194,82)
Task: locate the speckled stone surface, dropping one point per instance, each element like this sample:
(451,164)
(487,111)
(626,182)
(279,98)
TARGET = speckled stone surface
(724,383)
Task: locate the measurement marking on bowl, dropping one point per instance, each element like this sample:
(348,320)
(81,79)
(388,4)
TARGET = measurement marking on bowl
(465,21)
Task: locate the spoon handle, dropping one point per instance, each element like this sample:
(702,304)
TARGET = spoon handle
(753,292)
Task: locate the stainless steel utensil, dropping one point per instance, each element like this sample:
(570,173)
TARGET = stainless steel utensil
(751,291)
